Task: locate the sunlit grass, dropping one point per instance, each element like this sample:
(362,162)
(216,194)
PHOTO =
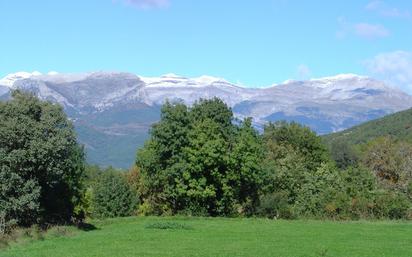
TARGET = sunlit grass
(182,236)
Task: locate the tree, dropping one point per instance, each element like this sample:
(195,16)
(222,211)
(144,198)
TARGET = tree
(112,196)
(197,161)
(292,153)
(246,166)
(39,157)
(284,170)
(204,186)
(343,154)
(301,139)
(389,160)
(160,158)
(216,110)
(322,194)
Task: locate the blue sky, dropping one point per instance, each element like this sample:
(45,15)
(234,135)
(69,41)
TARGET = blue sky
(254,43)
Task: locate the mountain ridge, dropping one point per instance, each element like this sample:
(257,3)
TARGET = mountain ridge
(113,111)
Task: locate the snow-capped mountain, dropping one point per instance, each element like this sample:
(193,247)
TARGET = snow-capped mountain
(113,111)
(173,87)
(9,80)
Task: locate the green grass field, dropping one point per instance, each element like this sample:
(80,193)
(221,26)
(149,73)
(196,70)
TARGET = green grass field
(180,236)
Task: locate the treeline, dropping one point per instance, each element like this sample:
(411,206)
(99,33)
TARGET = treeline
(199,160)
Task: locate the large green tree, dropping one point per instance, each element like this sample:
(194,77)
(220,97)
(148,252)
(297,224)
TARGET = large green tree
(161,158)
(197,161)
(41,163)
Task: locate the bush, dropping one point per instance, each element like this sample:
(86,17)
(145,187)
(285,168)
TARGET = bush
(391,205)
(112,196)
(275,205)
(409,214)
(361,207)
(321,193)
(360,185)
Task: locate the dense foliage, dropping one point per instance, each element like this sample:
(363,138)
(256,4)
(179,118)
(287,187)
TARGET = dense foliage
(112,196)
(200,161)
(41,163)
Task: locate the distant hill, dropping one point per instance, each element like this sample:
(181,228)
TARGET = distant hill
(397,125)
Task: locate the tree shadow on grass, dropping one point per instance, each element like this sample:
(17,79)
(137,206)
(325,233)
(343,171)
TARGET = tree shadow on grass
(86,227)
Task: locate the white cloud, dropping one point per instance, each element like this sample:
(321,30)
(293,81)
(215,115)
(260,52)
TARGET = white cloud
(303,72)
(370,31)
(382,9)
(393,67)
(148,4)
(362,29)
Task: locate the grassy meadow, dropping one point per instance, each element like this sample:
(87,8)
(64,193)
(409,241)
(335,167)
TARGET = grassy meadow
(184,236)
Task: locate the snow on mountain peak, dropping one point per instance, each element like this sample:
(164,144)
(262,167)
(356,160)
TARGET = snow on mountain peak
(173,76)
(343,76)
(208,79)
(173,80)
(36,73)
(52,73)
(9,80)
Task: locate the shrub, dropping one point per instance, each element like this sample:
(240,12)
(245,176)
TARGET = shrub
(112,196)
(391,205)
(275,205)
(321,193)
(361,207)
(409,214)
(360,185)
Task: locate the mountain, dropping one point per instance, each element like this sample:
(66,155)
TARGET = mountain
(397,125)
(113,111)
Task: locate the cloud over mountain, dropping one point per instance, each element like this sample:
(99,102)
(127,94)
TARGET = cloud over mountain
(393,67)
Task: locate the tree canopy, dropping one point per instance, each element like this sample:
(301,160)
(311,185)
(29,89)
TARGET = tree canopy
(41,163)
(198,161)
